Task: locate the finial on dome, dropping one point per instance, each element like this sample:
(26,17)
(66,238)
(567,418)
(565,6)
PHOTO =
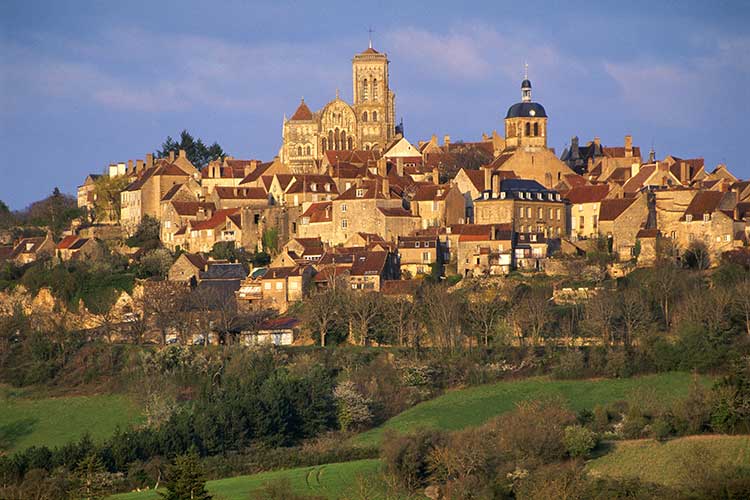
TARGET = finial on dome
(370,31)
(337,93)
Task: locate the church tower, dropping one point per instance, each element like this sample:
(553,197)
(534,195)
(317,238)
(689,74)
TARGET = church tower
(526,122)
(374,102)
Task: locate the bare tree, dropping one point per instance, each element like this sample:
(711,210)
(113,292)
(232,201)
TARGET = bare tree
(401,315)
(531,314)
(663,286)
(322,309)
(163,302)
(635,314)
(742,302)
(363,308)
(599,315)
(441,313)
(483,314)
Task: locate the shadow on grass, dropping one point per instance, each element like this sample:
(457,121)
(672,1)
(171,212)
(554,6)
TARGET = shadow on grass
(12,432)
(603,448)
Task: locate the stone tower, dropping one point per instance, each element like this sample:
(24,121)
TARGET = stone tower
(374,102)
(526,122)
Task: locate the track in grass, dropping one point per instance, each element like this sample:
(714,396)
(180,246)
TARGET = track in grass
(474,406)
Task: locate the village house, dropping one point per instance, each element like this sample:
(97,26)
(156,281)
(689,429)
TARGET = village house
(438,205)
(201,235)
(277,287)
(370,269)
(483,249)
(30,249)
(187,267)
(620,220)
(709,219)
(74,247)
(225,197)
(585,202)
(417,254)
(276,331)
(530,251)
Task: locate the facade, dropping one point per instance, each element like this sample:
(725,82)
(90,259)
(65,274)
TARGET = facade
(585,202)
(417,254)
(368,123)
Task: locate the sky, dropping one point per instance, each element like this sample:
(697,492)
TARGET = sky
(87,83)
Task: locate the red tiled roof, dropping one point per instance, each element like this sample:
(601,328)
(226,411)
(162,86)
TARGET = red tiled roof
(476,177)
(431,192)
(196,260)
(255,174)
(574,180)
(636,182)
(369,263)
(319,212)
(704,202)
(216,220)
(303,113)
(647,233)
(500,160)
(396,212)
(191,208)
(587,194)
(172,191)
(619,151)
(241,193)
(66,242)
(611,209)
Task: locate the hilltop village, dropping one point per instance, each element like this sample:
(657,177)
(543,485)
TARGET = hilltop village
(350,200)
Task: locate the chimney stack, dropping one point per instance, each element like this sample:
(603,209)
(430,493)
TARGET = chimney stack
(684,173)
(382,166)
(183,154)
(129,171)
(435,176)
(628,146)
(171,156)
(400,166)
(138,166)
(487,178)
(386,187)
(597,141)
(149,160)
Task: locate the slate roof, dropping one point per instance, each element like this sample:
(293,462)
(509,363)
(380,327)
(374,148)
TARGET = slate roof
(526,110)
(223,271)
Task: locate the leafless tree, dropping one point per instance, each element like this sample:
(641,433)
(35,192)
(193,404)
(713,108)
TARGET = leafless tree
(599,315)
(442,314)
(531,314)
(663,285)
(401,315)
(635,314)
(363,308)
(322,309)
(483,314)
(163,302)
(742,302)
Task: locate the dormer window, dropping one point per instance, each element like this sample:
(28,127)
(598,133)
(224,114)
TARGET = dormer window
(557,197)
(706,217)
(549,196)
(313,187)
(486,195)
(688,218)
(539,196)
(360,192)
(327,187)
(502,195)
(416,244)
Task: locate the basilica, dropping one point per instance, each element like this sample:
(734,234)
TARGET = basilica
(367,124)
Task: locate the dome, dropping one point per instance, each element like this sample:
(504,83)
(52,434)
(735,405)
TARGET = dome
(526,110)
(526,84)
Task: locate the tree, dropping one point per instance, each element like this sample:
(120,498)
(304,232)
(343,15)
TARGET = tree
(663,285)
(697,256)
(54,212)
(600,313)
(363,308)
(322,310)
(93,479)
(271,241)
(146,234)
(353,408)
(441,312)
(742,302)
(635,314)
(155,264)
(163,301)
(224,250)
(7,219)
(186,480)
(197,152)
(107,203)
(400,314)
(484,314)
(531,312)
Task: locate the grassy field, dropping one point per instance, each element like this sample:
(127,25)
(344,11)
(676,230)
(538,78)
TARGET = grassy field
(333,481)
(474,406)
(27,421)
(671,463)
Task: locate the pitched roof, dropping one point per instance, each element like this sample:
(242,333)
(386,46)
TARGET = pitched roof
(611,209)
(500,160)
(279,324)
(79,243)
(255,174)
(369,189)
(217,219)
(476,177)
(396,212)
(431,192)
(191,208)
(223,270)
(311,246)
(305,183)
(647,233)
(303,113)
(240,193)
(282,272)
(319,212)
(369,263)
(704,202)
(196,260)
(172,191)
(66,242)
(32,244)
(588,194)
(483,232)
(619,151)
(636,182)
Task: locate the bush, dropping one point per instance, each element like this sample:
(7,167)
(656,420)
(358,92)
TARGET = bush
(353,409)
(579,441)
(407,458)
(570,365)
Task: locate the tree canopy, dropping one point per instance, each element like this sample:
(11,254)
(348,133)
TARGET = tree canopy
(197,152)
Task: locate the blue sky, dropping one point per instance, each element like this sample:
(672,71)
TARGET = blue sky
(86,83)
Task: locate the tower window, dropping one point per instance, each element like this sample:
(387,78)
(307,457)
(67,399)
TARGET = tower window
(364,89)
(349,143)
(374,116)
(528,129)
(536,130)
(374,89)
(324,144)
(364,116)
(309,151)
(299,150)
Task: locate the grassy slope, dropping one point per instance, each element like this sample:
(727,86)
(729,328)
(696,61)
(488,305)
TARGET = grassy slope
(331,481)
(476,405)
(665,462)
(28,422)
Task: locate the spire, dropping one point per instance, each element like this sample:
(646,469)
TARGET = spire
(337,93)
(526,85)
(370,31)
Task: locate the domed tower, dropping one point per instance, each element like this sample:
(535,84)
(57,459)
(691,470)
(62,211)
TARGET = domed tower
(526,122)
(374,102)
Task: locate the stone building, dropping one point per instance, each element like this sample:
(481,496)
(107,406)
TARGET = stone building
(585,202)
(620,220)
(368,123)
(417,254)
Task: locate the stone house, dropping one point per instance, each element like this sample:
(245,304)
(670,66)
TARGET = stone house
(30,249)
(276,331)
(585,202)
(620,220)
(176,214)
(201,235)
(74,247)
(370,269)
(277,288)
(309,188)
(85,193)
(438,205)
(530,251)
(187,267)
(483,249)
(417,254)
(309,249)
(228,172)
(710,219)
(526,204)
(225,197)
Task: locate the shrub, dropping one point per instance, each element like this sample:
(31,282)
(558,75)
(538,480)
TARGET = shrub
(281,489)
(661,428)
(579,441)
(407,458)
(570,365)
(353,409)
(600,420)
(618,364)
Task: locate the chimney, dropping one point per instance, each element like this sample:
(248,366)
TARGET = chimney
(652,156)
(149,160)
(130,167)
(487,178)
(684,173)
(597,141)
(382,166)
(138,166)
(634,169)
(183,154)
(435,176)
(400,166)
(628,146)
(447,140)
(386,187)
(171,156)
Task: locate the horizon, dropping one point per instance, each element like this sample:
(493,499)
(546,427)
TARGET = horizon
(87,85)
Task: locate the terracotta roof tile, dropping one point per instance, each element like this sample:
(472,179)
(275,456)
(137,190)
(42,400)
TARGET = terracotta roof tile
(587,194)
(369,263)
(704,202)
(303,113)
(66,242)
(611,209)
(219,218)
(319,212)
(240,193)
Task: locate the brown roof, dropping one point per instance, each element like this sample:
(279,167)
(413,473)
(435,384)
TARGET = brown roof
(20,248)
(370,189)
(647,233)
(704,202)
(483,232)
(303,113)
(611,209)
(574,180)
(431,192)
(172,191)
(191,208)
(66,242)
(241,193)
(636,182)
(319,212)
(587,194)
(282,272)
(219,217)
(476,177)
(396,212)
(311,246)
(498,162)
(399,287)
(369,263)
(303,183)
(196,260)
(619,151)
(255,174)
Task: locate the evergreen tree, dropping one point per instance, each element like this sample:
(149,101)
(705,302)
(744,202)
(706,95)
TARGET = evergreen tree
(186,481)
(197,152)
(93,479)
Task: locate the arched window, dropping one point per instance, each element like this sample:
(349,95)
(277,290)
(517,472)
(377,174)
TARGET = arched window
(374,89)
(367,147)
(299,150)
(324,144)
(349,143)
(374,116)
(337,139)
(364,89)
(364,116)
(308,151)
(528,128)
(536,129)
(331,142)
(343,139)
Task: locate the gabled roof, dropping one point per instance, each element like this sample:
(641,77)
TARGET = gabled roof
(636,182)
(704,202)
(279,324)
(33,245)
(191,208)
(476,177)
(587,194)
(255,174)
(319,212)
(197,260)
(483,232)
(611,209)
(500,160)
(369,189)
(304,183)
(431,192)
(217,219)
(172,191)
(619,151)
(274,273)
(311,246)
(303,113)
(223,271)
(240,193)
(369,263)
(79,243)
(66,242)
(396,212)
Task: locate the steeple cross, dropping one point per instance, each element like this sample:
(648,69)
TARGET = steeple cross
(370,31)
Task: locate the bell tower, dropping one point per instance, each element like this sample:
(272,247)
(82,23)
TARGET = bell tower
(374,102)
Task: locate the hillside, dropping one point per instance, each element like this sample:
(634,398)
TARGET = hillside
(670,463)
(473,406)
